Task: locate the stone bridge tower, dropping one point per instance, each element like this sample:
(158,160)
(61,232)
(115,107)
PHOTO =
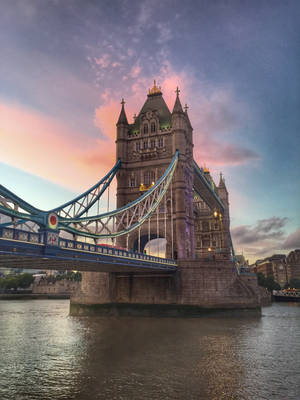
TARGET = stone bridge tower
(206,277)
(146,148)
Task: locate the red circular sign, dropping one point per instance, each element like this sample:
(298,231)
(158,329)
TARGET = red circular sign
(53,220)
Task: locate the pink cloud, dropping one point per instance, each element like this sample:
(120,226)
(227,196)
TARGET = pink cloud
(216,118)
(103,61)
(48,148)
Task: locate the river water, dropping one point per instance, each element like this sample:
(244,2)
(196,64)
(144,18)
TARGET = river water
(46,354)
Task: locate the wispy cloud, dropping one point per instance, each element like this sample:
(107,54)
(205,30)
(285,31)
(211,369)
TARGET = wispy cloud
(292,241)
(261,239)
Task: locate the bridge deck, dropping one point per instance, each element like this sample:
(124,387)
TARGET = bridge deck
(21,249)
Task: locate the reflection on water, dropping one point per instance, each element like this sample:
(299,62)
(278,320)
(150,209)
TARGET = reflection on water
(46,354)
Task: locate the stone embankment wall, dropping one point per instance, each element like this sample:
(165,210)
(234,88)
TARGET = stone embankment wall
(205,286)
(64,286)
(265,296)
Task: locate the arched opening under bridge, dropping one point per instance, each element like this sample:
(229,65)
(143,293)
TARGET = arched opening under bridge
(154,246)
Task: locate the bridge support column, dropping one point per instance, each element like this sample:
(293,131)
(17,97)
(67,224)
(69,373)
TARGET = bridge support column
(96,288)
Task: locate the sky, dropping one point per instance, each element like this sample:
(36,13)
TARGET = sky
(66,65)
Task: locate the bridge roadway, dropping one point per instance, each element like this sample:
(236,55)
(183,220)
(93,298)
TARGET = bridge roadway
(23,249)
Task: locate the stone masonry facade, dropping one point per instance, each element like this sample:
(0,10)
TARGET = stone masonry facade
(201,237)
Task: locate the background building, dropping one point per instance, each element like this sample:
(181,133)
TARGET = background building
(275,265)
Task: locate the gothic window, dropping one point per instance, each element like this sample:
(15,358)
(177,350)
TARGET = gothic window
(153,127)
(160,142)
(145,145)
(152,144)
(132,182)
(137,146)
(145,128)
(216,227)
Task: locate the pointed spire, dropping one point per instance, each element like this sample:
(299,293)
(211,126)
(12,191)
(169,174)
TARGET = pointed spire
(122,118)
(222,181)
(177,106)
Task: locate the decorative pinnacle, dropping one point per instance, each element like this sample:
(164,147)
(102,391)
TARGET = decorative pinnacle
(123,102)
(177,91)
(186,108)
(155,89)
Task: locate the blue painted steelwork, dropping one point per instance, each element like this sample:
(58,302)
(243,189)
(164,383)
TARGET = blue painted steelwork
(134,214)
(108,177)
(40,216)
(17,200)
(19,243)
(37,218)
(165,180)
(200,173)
(134,202)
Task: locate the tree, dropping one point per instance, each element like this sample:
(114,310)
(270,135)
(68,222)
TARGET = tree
(267,282)
(261,279)
(271,284)
(25,280)
(14,281)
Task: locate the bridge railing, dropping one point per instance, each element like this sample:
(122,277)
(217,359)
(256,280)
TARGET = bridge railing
(21,236)
(17,235)
(111,251)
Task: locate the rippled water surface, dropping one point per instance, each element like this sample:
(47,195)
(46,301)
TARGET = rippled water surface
(46,354)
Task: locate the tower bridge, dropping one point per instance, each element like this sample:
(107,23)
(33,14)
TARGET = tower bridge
(161,193)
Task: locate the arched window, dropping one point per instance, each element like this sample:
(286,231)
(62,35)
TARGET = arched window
(153,127)
(145,128)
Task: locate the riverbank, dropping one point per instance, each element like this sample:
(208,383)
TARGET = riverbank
(33,296)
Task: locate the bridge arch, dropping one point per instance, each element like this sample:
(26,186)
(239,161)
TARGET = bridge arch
(149,240)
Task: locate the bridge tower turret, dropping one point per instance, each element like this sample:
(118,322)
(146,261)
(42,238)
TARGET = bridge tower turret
(183,182)
(223,193)
(122,129)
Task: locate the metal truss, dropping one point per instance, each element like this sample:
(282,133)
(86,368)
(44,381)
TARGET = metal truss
(16,211)
(125,219)
(83,203)
(200,173)
(73,216)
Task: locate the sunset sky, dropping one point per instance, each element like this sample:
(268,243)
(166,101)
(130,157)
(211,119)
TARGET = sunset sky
(65,65)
